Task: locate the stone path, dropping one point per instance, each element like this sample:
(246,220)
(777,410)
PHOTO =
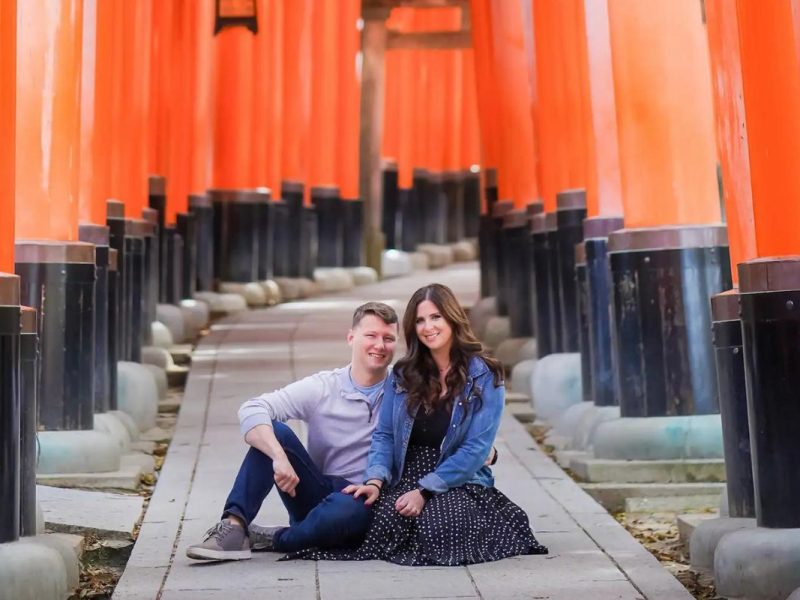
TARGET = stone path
(246,354)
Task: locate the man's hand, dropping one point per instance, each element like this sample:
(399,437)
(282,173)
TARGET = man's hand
(370,492)
(410,504)
(285,477)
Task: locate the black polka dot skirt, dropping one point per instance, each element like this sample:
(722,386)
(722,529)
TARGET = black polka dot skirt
(466,525)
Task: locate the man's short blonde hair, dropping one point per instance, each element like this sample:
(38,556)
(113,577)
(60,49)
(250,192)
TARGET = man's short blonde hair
(383,311)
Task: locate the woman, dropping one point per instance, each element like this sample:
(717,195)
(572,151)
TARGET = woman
(434,500)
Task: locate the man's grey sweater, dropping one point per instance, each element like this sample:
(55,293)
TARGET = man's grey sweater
(340,419)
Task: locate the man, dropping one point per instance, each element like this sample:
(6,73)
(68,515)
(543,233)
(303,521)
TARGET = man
(340,408)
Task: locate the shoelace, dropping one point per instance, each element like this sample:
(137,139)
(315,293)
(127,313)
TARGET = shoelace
(220,530)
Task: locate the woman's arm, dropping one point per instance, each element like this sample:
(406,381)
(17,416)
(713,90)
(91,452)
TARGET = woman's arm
(381,452)
(461,466)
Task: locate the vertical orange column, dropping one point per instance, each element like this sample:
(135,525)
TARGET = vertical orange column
(263,76)
(274,104)
(516,175)
(233,107)
(349,98)
(296,89)
(667,153)
(130,103)
(603,187)
(323,137)
(726,67)
(96,110)
(203,76)
(165,85)
(8,57)
(48,119)
(470,131)
(486,92)
(770,59)
(454,106)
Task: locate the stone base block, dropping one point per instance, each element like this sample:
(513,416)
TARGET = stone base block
(77,452)
(514,350)
(222,304)
(516,397)
(333,279)
(521,376)
(109,424)
(137,394)
(177,376)
(566,424)
(69,546)
(598,470)
(438,255)
(613,495)
(758,564)
(308,288)
(556,385)
(564,458)
(160,377)
(143,446)
(127,422)
(33,571)
(706,536)
(583,435)
(420,261)
(659,438)
(363,275)
(252,292)
(172,317)
(289,287)
(82,511)
(464,251)
(498,330)
(126,477)
(688,522)
(272,291)
(538,428)
(196,316)
(161,335)
(156,356)
(480,313)
(521,412)
(395,263)
(671,504)
(181,354)
(156,434)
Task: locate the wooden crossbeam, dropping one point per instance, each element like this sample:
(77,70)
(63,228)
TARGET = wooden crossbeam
(429,40)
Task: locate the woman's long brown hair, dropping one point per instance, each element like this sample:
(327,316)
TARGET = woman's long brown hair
(417,371)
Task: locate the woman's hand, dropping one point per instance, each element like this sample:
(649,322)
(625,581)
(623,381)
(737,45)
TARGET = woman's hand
(410,504)
(369,491)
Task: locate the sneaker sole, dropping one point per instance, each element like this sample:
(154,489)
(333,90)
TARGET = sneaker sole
(208,554)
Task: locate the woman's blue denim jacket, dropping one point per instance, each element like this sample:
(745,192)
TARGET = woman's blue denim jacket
(465,446)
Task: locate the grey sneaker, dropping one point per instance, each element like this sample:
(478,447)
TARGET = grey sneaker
(263,538)
(224,541)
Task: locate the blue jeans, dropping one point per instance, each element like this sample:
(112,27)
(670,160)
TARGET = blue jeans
(320,516)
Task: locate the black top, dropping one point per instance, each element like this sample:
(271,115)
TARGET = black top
(429,430)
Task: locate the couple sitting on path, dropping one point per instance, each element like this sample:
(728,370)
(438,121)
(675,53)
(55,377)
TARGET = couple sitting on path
(396,465)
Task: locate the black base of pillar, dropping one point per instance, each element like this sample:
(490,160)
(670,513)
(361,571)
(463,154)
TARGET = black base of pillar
(136,285)
(582,299)
(499,211)
(770,317)
(292,193)
(200,207)
(662,280)
(328,205)
(518,276)
(353,224)
(472,205)
(9,408)
(157,201)
(595,231)
(266,235)
(410,215)
(554,283)
(453,188)
(542,285)
(235,235)
(309,250)
(569,223)
(391,204)
(28,375)
(113,326)
(280,242)
(173,261)
(116,239)
(186,224)
(729,358)
(58,280)
(435,210)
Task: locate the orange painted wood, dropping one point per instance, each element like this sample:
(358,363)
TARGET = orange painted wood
(130,104)
(163,88)
(233,107)
(604,185)
(390,145)
(455,105)
(273,28)
(96,111)
(323,139)
(667,148)
(470,131)
(770,57)
(203,98)
(516,173)
(262,75)
(731,129)
(349,98)
(486,92)
(48,119)
(8,58)
(296,89)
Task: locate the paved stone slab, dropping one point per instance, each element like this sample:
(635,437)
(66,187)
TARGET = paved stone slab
(648,471)
(126,478)
(613,495)
(259,350)
(79,511)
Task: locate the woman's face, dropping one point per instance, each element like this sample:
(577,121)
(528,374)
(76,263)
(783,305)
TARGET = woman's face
(433,330)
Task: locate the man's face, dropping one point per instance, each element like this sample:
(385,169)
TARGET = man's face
(373,343)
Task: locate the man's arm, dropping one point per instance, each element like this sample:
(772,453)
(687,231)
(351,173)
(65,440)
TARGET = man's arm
(262,438)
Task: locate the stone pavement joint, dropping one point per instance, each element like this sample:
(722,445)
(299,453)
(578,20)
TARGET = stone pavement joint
(260,350)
